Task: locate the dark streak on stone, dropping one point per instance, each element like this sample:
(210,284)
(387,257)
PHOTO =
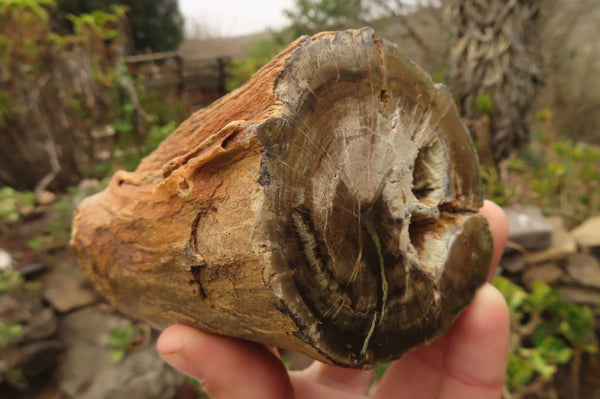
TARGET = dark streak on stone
(196,271)
(195,224)
(265,177)
(302,332)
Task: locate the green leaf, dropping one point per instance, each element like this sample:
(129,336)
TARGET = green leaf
(121,337)
(540,364)
(555,349)
(519,371)
(158,133)
(8,332)
(193,383)
(36,244)
(577,325)
(123,126)
(556,169)
(513,294)
(541,297)
(484,103)
(544,114)
(9,279)
(116,355)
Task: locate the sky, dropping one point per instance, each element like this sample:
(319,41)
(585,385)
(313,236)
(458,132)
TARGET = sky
(220,18)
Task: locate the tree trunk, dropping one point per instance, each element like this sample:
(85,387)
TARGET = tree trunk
(328,206)
(496,54)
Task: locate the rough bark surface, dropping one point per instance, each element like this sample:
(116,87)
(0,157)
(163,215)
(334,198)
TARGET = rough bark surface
(495,51)
(328,206)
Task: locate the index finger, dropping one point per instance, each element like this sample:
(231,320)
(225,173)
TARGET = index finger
(499,229)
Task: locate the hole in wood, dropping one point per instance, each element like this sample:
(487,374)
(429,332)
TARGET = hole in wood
(429,173)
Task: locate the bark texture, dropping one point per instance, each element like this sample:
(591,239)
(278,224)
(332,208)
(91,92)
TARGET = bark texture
(328,206)
(495,51)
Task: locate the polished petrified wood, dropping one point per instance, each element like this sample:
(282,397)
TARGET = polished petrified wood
(328,206)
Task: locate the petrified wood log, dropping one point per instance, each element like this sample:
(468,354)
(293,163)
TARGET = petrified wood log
(327,206)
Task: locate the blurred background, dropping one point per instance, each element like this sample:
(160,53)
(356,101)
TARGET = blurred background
(91,87)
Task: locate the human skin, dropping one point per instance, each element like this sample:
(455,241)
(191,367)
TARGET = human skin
(468,362)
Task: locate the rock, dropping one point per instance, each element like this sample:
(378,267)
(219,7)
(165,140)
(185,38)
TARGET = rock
(528,227)
(84,188)
(20,307)
(68,289)
(89,186)
(580,296)
(6,260)
(143,375)
(584,269)
(28,342)
(43,325)
(37,357)
(587,234)
(32,269)
(87,371)
(513,262)
(548,273)
(45,198)
(32,359)
(562,244)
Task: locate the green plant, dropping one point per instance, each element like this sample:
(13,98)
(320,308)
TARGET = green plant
(58,231)
(155,25)
(12,202)
(554,172)
(98,22)
(547,332)
(495,189)
(16,378)
(36,7)
(8,333)
(62,212)
(9,279)
(259,53)
(484,104)
(8,206)
(4,108)
(197,387)
(38,57)
(121,340)
(157,134)
(37,244)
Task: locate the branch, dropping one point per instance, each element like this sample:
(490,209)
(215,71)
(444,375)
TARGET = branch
(399,12)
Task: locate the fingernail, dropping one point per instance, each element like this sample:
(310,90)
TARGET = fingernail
(171,350)
(169,344)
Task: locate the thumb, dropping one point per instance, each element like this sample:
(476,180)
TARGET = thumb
(227,368)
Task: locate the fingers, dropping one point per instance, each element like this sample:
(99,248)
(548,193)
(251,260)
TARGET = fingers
(477,347)
(499,229)
(227,368)
(469,362)
(418,374)
(349,380)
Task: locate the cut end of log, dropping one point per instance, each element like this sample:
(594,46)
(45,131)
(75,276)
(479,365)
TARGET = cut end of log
(328,206)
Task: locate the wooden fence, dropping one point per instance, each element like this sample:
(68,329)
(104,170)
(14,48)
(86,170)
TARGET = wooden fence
(198,81)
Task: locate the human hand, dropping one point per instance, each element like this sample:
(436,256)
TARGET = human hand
(468,362)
